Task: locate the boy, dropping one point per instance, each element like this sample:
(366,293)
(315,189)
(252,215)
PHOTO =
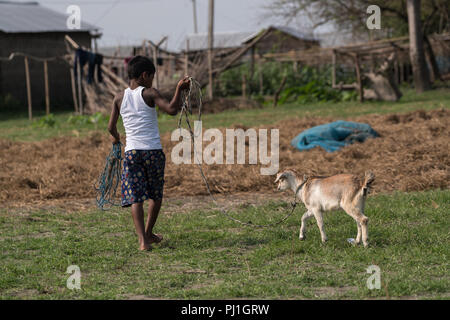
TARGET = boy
(144,159)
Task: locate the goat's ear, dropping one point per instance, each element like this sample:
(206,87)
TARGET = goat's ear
(279,176)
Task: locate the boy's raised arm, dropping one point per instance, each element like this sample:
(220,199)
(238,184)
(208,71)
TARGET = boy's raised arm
(174,105)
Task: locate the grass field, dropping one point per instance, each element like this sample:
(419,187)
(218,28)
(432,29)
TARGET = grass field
(207,256)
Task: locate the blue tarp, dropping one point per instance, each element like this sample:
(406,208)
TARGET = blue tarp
(333,136)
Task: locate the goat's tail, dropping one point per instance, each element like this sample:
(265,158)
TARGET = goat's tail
(369,178)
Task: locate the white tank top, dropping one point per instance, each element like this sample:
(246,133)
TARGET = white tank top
(140,122)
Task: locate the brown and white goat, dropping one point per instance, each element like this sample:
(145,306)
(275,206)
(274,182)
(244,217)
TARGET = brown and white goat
(320,194)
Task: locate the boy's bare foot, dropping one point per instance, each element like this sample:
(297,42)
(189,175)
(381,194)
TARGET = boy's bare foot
(155,238)
(147,247)
(144,245)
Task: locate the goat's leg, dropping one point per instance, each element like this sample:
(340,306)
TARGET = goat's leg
(308,214)
(319,220)
(358,236)
(364,221)
(361,221)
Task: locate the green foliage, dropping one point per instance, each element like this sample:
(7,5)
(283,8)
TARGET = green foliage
(315,91)
(82,120)
(48,121)
(78,119)
(307,84)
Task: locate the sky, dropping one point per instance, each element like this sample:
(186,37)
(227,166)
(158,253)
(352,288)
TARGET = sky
(128,22)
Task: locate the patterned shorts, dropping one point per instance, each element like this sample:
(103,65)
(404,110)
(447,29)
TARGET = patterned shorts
(142,176)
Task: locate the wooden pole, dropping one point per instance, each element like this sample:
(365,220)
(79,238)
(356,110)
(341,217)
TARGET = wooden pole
(402,73)
(210,49)
(396,71)
(116,78)
(47,96)
(186,61)
(358,78)
(155,61)
(194,7)
(252,62)
(74,89)
(416,47)
(244,85)
(27,76)
(80,90)
(333,74)
(280,88)
(260,74)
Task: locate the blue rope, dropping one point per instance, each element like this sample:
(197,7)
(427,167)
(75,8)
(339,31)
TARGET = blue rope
(109,179)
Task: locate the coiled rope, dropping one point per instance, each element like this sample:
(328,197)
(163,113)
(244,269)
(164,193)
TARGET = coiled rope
(195,93)
(109,179)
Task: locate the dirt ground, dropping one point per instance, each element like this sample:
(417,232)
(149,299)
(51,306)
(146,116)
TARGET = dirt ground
(412,154)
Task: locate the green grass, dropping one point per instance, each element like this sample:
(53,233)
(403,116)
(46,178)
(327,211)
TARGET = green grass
(19,128)
(206,256)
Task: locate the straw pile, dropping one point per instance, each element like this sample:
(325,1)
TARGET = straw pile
(412,154)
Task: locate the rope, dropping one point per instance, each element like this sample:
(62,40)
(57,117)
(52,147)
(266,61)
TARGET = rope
(186,109)
(108,180)
(21,54)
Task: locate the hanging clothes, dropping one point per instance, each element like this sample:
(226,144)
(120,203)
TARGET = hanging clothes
(95,62)
(81,57)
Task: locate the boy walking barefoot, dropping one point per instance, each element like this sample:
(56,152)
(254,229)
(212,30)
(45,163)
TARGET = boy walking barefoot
(144,159)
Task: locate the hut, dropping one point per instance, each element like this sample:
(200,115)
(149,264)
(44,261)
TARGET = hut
(31,29)
(280,39)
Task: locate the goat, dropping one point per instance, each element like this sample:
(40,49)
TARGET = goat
(320,194)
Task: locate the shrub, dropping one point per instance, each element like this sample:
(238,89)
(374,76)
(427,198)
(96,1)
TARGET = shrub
(47,121)
(307,84)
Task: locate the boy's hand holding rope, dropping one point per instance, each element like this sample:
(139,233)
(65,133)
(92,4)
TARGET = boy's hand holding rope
(109,178)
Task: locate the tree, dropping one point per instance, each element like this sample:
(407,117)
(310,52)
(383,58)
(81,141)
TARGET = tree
(350,15)
(429,16)
(416,51)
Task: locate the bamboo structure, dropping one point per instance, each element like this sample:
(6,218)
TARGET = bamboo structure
(47,96)
(27,78)
(356,57)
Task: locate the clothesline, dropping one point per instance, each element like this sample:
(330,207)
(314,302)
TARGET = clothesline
(21,54)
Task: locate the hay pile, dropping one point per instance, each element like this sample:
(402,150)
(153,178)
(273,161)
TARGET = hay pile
(412,154)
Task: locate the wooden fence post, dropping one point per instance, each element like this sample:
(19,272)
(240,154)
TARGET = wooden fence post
(74,89)
(260,76)
(280,88)
(155,61)
(27,76)
(358,78)
(333,74)
(244,85)
(47,96)
(80,92)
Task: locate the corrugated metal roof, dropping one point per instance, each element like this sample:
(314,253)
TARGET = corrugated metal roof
(31,17)
(288,30)
(199,41)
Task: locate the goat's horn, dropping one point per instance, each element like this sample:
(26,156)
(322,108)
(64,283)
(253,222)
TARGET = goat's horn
(283,175)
